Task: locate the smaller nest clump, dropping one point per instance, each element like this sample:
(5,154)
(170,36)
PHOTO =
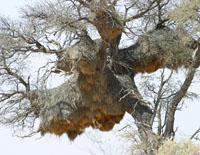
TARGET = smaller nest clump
(159,49)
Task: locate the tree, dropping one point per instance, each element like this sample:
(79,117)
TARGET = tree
(84,37)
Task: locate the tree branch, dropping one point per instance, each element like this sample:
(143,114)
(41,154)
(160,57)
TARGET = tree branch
(170,113)
(195,133)
(142,13)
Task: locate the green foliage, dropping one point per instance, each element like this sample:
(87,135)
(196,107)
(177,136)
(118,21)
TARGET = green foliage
(187,15)
(182,147)
(159,146)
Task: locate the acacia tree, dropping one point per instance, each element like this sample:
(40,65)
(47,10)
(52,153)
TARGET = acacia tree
(86,39)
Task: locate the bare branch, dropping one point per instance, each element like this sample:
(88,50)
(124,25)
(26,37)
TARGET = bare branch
(142,13)
(195,133)
(169,131)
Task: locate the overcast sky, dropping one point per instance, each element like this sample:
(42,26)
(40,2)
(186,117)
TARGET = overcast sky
(187,120)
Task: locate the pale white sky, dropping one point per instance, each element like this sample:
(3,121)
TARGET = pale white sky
(188,120)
